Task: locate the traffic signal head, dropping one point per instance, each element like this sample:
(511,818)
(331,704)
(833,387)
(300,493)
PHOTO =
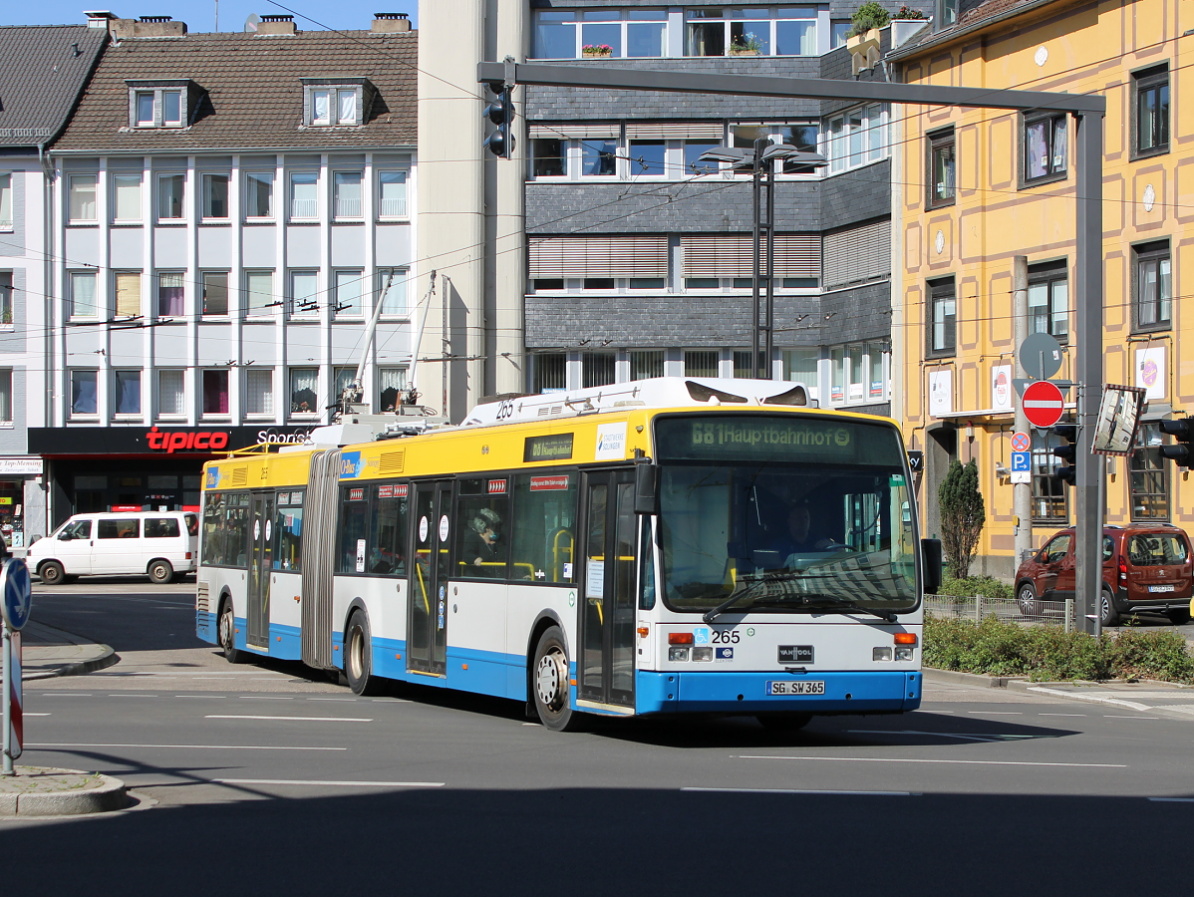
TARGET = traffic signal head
(1179,451)
(500,111)
(1068,472)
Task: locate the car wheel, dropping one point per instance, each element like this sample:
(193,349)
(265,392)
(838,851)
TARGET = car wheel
(358,656)
(1179,617)
(51,573)
(1108,615)
(549,682)
(226,633)
(1026,597)
(160,572)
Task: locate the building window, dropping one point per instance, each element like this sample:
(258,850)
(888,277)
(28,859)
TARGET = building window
(550,373)
(943,312)
(346,194)
(215,392)
(942,162)
(783,31)
(171,295)
(549,157)
(646,363)
(348,294)
(5,201)
(128,392)
(82,198)
(215,196)
(1049,300)
(126,197)
(391,186)
(171,394)
(800,366)
(6,309)
(1148,475)
(304,195)
(1150,94)
(947,14)
(157,107)
(171,191)
(838,32)
(393,297)
(259,391)
(805,136)
(331,105)
(391,385)
(1050,496)
(259,194)
(82,295)
(598,368)
(83,394)
(343,378)
(128,294)
(700,363)
(1153,286)
(259,292)
(6,396)
(647,158)
(634,33)
(857,137)
(304,398)
(304,294)
(1046,148)
(215,293)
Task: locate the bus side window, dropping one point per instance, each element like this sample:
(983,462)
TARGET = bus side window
(388,530)
(543,528)
(482,527)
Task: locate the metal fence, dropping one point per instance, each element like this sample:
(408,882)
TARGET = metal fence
(976,607)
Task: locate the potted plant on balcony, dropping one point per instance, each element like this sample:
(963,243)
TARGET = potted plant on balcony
(597,50)
(867,19)
(748,44)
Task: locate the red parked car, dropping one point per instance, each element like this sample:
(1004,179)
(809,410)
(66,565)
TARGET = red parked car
(1146,567)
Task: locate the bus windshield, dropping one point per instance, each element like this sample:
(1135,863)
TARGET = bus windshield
(784,513)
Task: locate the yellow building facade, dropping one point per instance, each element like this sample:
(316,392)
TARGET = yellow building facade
(984,222)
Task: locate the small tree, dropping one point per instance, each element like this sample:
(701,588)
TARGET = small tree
(962,515)
(869,15)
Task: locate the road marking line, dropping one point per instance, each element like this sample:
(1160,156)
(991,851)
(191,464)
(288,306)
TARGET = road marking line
(807,791)
(327,783)
(264,698)
(50,745)
(300,719)
(1172,800)
(27,713)
(1083,715)
(995,712)
(64,694)
(205,697)
(957,762)
(1131,705)
(960,736)
(1111,716)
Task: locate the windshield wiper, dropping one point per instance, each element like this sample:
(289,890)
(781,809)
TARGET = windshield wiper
(750,589)
(844,606)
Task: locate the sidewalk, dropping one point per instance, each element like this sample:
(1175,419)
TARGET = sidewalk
(47,652)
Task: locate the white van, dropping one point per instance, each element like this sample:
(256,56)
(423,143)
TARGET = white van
(161,544)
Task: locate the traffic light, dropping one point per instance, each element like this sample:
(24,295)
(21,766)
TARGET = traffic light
(1068,473)
(501,112)
(1179,451)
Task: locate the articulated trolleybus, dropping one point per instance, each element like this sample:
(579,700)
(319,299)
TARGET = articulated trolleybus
(660,547)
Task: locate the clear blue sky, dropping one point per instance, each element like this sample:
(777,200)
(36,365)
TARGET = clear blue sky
(200,15)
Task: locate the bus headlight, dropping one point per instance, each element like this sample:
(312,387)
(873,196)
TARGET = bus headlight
(703,654)
(904,652)
(678,654)
(881,654)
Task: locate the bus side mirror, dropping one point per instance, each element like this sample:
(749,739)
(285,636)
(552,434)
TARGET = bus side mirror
(646,499)
(932,566)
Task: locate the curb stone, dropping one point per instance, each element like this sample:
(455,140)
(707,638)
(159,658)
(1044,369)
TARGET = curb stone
(47,791)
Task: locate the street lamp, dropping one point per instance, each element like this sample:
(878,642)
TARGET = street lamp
(760,160)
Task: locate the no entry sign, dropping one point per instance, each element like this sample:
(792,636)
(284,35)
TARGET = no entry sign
(1043,403)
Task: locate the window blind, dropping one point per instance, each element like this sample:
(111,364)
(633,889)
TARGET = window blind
(613,256)
(858,254)
(128,294)
(796,255)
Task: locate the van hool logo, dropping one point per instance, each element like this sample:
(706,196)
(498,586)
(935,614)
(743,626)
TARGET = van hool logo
(171,441)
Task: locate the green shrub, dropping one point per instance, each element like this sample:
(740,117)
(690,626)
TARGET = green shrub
(1042,653)
(868,16)
(987,586)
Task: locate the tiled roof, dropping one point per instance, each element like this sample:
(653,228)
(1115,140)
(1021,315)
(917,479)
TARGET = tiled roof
(972,18)
(42,70)
(254,95)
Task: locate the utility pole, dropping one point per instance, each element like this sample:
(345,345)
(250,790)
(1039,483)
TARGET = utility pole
(1021,492)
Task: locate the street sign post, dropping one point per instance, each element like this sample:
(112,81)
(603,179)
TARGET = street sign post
(1021,442)
(17,592)
(1043,403)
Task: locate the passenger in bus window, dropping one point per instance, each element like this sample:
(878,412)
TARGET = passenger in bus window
(481,548)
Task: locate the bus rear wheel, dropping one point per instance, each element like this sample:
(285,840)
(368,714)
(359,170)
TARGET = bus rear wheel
(549,682)
(358,656)
(226,633)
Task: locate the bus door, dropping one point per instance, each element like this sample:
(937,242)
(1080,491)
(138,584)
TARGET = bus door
(261,553)
(427,623)
(607,619)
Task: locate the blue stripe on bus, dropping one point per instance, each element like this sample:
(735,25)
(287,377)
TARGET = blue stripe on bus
(729,692)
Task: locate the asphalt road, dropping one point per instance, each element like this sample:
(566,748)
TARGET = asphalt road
(269,778)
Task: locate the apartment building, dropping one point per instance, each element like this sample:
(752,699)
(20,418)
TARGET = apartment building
(988,204)
(232,238)
(42,72)
(617,247)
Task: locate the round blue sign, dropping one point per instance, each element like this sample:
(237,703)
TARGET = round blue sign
(18,593)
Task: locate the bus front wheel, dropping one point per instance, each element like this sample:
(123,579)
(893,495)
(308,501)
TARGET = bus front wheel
(358,656)
(549,682)
(226,624)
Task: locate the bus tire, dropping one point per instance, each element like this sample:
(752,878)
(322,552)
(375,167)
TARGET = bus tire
(358,656)
(51,574)
(226,633)
(549,682)
(160,572)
